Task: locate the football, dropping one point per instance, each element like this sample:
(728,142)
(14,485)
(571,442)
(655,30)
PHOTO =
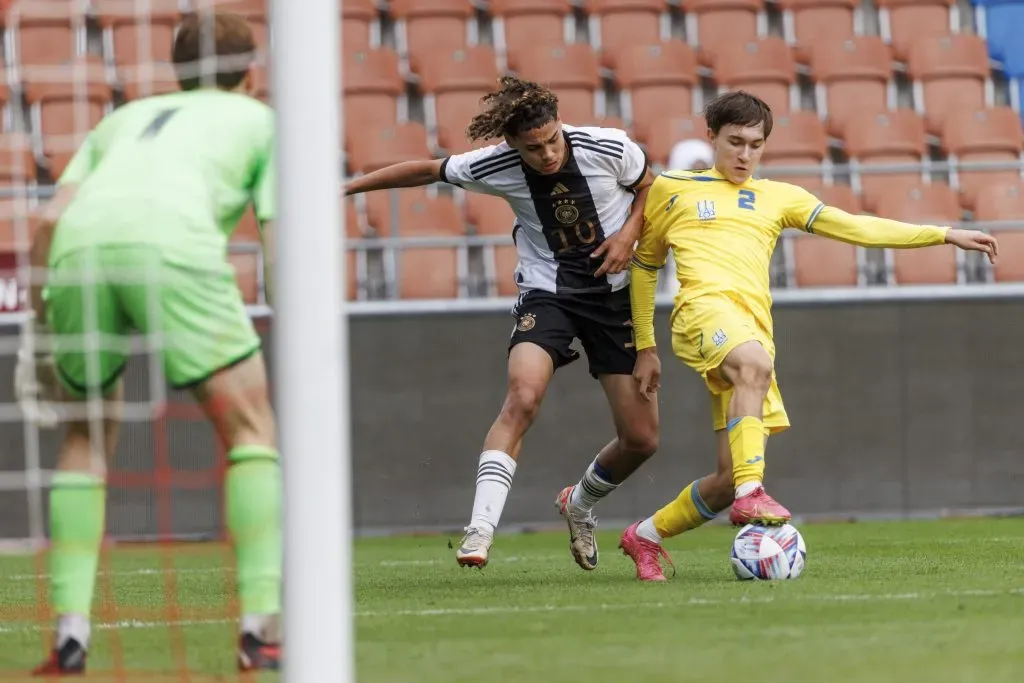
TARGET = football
(768,553)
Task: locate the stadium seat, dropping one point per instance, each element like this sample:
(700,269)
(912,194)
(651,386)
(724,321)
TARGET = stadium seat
(424,29)
(570,70)
(887,137)
(982,135)
(17,226)
(926,204)
(851,76)
(718,25)
(453,84)
(131,38)
(377,147)
(1000,22)
(656,81)
(618,24)
(808,23)
(797,140)
(763,67)
(605,122)
(254,11)
(380,205)
(247,231)
(147,79)
(428,272)
(662,134)
(45,31)
(360,29)
(523,24)
(246,263)
(493,216)
(17,165)
(840,196)
(373,88)
(821,262)
(60,117)
(1004,202)
(902,22)
(948,72)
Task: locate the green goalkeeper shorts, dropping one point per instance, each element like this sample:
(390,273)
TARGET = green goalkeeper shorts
(95,299)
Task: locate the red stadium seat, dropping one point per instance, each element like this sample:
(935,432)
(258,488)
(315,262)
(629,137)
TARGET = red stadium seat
(797,140)
(852,76)
(360,20)
(382,146)
(763,67)
(428,272)
(718,25)
(427,28)
(379,208)
(931,204)
(524,24)
(808,23)
(904,22)
(45,31)
(658,81)
(131,38)
(570,70)
(493,216)
(1004,202)
(624,23)
(980,135)
(663,133)
(822,262)
(455,82)
(949,72)
(372,87)
(888,137)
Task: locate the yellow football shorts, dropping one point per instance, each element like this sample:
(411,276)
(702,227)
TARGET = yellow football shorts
(704,331)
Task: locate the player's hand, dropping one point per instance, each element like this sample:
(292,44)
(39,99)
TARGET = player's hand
(647,372)
(36,385)
(974,240)
(617,251)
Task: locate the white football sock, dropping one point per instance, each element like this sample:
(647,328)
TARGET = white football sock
(73,626)
(647,531)
(746,488)
(255,624)
(591,488)
(493,480)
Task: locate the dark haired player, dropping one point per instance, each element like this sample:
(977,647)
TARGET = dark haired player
(577,194)
(721,226)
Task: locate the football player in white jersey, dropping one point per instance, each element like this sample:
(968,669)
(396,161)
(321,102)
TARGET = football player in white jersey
(578,195)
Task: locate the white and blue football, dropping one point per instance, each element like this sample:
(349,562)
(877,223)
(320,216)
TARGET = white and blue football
(768,553)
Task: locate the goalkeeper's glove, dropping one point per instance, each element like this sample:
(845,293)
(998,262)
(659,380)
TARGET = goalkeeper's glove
(36,384)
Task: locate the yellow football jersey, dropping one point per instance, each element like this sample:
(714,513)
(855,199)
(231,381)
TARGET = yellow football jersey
(722,237)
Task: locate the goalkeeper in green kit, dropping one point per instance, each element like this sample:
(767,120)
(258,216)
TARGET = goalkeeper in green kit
(135,238)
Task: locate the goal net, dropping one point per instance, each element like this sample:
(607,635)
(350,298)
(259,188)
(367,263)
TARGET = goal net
(164,605)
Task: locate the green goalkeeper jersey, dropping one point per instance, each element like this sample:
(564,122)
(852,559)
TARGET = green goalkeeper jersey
(175,172)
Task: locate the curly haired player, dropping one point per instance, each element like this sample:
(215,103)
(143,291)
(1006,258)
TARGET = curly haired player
(578,196)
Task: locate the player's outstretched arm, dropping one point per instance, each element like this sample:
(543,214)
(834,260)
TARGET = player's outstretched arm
(404,174)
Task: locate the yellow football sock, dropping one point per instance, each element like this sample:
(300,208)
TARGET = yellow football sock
(687,511)
(746,441)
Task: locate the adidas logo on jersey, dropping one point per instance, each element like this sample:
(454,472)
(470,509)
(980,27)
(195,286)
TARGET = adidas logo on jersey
(559,189)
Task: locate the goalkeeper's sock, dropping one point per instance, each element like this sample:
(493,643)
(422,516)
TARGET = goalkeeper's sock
(746,441)
(77,511)
(595,485)
(687,511)
(493,481)
(253,494)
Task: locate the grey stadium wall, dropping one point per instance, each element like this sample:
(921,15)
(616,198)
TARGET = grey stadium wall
(898,408)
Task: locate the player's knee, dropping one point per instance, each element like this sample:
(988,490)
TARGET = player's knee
(754,373)
(641,441)
(523,402)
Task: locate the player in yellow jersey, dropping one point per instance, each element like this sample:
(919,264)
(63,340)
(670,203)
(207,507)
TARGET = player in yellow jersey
(721,226)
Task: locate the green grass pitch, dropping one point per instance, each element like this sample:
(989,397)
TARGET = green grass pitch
(936,601)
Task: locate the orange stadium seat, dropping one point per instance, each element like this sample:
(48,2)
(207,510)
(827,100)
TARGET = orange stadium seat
(379,207)
(948,72)
(903,22)
(605,122)
(663,133)
(797,140)
(717,25)
(372,85)
(980,135)
(376,147)
(931,204)
(454,83)
(45,31)
(148,79)
(493,216)
(522,24)
(428,272)
(889,137)
(763,67)
(131,38)
(248,228)
(255,11)
(852,76)
(808,23)
(17,165)
(1004,202)
(570,70)
(822,262)
(17,226)
(624,23)
(360,23)
(840,196)
(59,114)
(656,80)
(426,28)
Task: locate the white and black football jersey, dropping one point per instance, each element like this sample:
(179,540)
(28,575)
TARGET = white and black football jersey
(560,218)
